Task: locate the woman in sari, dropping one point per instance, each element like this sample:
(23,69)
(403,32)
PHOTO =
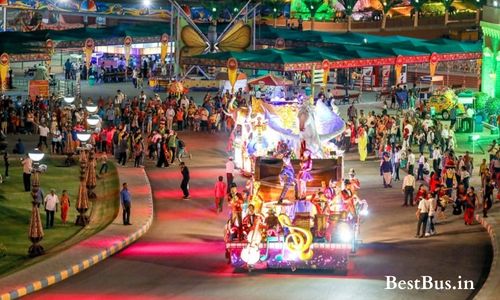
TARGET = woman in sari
(470,205)
(362,143)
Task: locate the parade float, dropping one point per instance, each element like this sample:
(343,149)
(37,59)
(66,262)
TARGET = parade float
(297,211)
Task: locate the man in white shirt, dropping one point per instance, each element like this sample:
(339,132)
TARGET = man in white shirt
(50,202)
(397,162)
(229,173)
(27,165)
(408,188)
(347,137)
(43,131)
(411,162)
(445,136)
(170,117)
(432,204)
(436,159)
(422,215)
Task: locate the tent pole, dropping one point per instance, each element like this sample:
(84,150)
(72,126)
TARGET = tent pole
(176,45)
(4,18)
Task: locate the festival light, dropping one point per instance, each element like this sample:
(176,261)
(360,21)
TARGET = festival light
(146,3)
(83,136)
(91,108)
(69,100)
(93,120)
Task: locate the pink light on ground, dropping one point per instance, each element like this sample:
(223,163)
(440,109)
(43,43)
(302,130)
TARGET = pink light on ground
(186,215)
(173,249)
(195,193)
(175,174)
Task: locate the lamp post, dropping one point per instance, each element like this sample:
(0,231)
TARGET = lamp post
(82,204)
(36,228)
(92,121)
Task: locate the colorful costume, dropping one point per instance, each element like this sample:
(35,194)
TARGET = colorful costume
(362,144)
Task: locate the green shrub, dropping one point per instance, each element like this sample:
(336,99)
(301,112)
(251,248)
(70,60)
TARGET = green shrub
(3,250)
(481,99)
(493,106)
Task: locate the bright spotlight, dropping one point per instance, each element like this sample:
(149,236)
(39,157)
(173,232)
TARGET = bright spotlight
(146,3)
(344,232)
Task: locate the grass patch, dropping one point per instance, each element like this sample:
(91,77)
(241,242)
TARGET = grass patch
(15,212)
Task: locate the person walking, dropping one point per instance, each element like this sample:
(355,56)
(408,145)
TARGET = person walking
(122,150)
(104,164)
(220,192)
(185,180)
(470,205)
(422,217)
(229,173)
(386,170)
(126,201)
(432,203)
(27,166)
(50,202)
(488,196)
(421,162)
(408,188)
(411,162)
(172,146)
(65,204)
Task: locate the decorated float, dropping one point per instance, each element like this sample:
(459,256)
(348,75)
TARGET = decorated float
(297,211)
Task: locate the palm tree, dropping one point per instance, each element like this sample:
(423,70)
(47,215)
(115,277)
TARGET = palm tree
(313,6)
(276,6)
(479,5)
(348,9)
(386,7)
(417,7)
(447,8)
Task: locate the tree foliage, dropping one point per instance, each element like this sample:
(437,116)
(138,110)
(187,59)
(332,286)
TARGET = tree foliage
(348,6)
(388,4)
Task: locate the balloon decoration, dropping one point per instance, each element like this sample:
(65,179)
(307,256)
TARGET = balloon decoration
(4,69)
(88,48)
(164,47)
(127,43)
(326,71)
(232,72)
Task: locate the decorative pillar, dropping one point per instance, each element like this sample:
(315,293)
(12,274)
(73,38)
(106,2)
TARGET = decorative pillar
(36,228)
(490,72)
(82,204)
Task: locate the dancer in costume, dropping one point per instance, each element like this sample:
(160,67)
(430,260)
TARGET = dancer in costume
(287,178)
(305,172)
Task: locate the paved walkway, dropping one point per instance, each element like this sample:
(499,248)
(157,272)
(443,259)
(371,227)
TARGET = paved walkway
(491,287)
(91,251)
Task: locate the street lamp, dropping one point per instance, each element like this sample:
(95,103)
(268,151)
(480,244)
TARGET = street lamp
(91,108)
(36,228)
(93,121)
(69,100)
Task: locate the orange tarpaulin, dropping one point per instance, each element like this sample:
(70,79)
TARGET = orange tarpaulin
(270,80)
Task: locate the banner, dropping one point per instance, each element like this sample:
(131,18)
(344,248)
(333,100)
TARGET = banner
(4,69)
(88,48)
(232,72)
(4,2)
(127,43)
(433,61)
(326,71)
(38,88)
(164,47)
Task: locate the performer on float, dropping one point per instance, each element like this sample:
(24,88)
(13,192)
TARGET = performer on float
(250,219)
(235,200)
(330,190)
(355,184)
(287,178)
(348,198)
(362,143)
(335,211)
(305,172)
